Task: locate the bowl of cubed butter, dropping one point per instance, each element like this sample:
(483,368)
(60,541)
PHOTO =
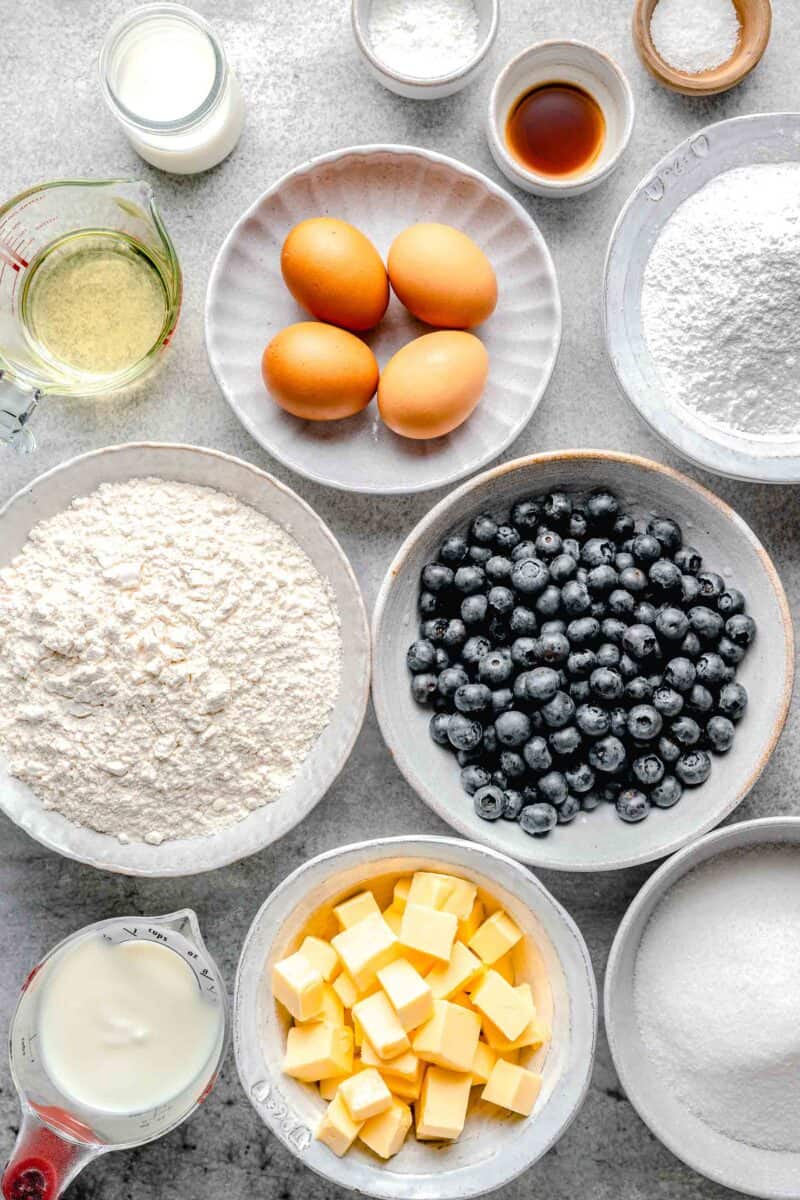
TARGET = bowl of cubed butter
(415,1017)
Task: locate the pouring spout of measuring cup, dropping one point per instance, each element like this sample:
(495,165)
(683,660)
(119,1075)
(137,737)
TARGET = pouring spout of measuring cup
(16,409)
(43,1163)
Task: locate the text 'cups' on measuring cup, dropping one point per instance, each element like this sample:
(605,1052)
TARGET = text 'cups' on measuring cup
(90,291)
(60,1132)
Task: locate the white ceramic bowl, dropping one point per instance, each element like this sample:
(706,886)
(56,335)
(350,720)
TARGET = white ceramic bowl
(562,62)
(770,1174)
(766,138)
(494,1148)
(382,190)
(422,87)
(51,493)
(599,840)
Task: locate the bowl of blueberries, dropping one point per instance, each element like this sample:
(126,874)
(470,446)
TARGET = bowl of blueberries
(583,659)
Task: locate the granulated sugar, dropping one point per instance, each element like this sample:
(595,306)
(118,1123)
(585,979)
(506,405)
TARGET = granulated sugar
(717,986)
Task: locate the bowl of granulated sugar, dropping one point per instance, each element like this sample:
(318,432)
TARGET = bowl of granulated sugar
(701,999)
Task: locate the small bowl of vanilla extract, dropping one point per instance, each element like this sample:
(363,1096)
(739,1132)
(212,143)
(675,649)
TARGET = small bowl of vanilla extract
(560,116)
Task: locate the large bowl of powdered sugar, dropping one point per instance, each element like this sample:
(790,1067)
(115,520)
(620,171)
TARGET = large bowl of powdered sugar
(700,298)
(701,1006)
(174,625)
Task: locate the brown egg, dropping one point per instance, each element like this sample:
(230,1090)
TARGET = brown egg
(319,372)
(335,272)
(442,277)
(431,386)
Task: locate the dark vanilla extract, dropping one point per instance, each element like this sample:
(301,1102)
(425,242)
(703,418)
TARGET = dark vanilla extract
(556,129)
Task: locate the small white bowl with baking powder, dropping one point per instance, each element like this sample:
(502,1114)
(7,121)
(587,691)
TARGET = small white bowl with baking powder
(410,83)
(567,62)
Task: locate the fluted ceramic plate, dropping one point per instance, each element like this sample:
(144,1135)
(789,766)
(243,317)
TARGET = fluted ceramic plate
(382,190)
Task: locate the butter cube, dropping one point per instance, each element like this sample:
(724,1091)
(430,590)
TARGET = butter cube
(449,1038)
(345,989)
(533,1035)
(482,1063)
(329,1087)
(445,979)
(507,1008)
(461,900)
(408,992)
(400,892)
(351,911)
(512,1087)
(322,955)
(429,931)
(405,1066)
(381,1026)
(298,985)
(472,923)
(442,1107)
(505,967)
(429,889)
(332,1011)
(406,1089)
(337,1129)
(366,947)
(365,1094)
(393,916)
(317,1051)
(497,935)
(385,1133)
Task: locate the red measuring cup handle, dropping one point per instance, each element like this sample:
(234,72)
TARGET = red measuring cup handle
(42,1162)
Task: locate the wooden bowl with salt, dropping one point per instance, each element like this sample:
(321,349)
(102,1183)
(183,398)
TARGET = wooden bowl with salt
(755,21)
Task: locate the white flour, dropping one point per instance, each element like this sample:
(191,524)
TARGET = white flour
(695,35)
(721,301)
(716,987)
(168,656)
(423,37)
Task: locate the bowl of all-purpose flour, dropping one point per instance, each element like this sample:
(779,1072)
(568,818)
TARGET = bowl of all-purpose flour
(701,1006)
(702,298)
(184,659)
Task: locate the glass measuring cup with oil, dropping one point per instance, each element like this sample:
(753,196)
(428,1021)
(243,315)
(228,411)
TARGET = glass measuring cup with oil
(90,291)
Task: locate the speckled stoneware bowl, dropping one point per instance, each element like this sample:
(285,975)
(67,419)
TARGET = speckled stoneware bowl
(51,493)
(382,190)
(774,1175)
(495,1146)
(596,841)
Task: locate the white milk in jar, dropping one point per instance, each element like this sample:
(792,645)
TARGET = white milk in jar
(124,1027)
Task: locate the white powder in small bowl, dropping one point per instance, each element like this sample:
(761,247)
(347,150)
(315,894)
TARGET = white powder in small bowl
(695,35)
(424,38)
(716,989)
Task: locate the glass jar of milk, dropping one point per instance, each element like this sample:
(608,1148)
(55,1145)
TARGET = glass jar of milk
(167,81)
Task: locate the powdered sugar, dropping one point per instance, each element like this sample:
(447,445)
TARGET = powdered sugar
(720,302)
(717,981)
(424,37)
(168,657)
(695,35)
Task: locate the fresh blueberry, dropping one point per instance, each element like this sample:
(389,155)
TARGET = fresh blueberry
(455,634)
(602,580)
(732,701)
(632,805)
(474,610)
(666,531)
(728,651)
(720,733)
(506,538)
(690,591)
(646,549)
(730,602)
(648,770)
(672,624)
(666,793)
(559,711)
(711,585)
(645,613)
(613,630)
(669,750)
(524,652)
(711,669)
(623,560)
(537,755)
(530,576)
(438,726)
(590,800)
(464,733)
(512,804)
(619,722)
(453,550)
(593,720)
(607,755)
(434,630)
(513,728)
(450,680)
(685,731)
(522,621)
(498,569)
(602,509)
(624,527)
(538,819)
(706,623)
(501,600)
(502,700)
(608,655)
(548,602)
(691,646)
(680,674)
(640,642)
(565,742)
(557,509)
(541,684)
(693,768)
(579,691)
(552,787)
(483,529)
(644,722)
(638,690)
(442,660)
(512,764)
(473,698)
(664,576)
(436,577)
(421,656)
(553,648)
(523,550)
(562,568)
(688,559)
(479,555)
(571,547)
(628,668)
(741,629)
(633,580)
(525,514)
(578,525)
(495,668)
(581,663)
(598,552)
(423,688)
(575,598)
(469,579)
(473,778)
(607,683)
(548,544)
(580,778)
(428,604)
(699,700)
(569,810)
(668,702)
(489,802)
(474,649)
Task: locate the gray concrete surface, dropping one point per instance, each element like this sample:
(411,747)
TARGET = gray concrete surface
(307,92)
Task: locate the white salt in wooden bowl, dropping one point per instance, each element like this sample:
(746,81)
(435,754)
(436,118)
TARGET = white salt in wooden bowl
(54,491)
(772,1174)
(599,840)
(496,1146)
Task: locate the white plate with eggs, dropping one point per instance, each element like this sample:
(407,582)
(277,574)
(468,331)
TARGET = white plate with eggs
(382,190)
